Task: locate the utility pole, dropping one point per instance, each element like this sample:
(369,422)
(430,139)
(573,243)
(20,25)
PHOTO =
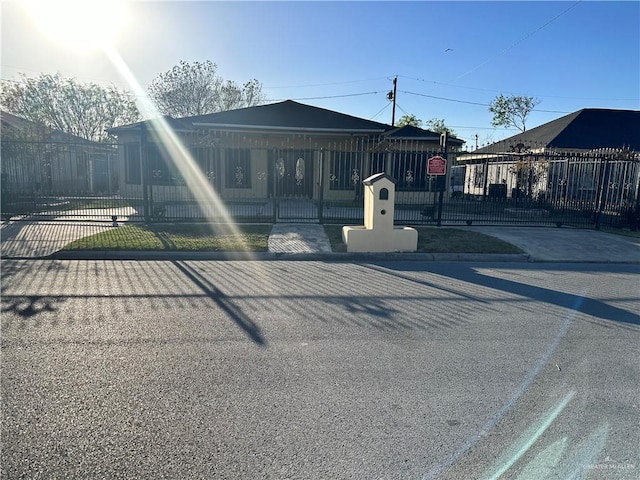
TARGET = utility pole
(392,96)
(476,141)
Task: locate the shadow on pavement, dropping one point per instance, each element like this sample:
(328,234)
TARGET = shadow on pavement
(224,302)
(468,274)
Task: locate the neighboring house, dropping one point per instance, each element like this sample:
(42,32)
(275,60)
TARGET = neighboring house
(37,159)
(284,149)
(557,158)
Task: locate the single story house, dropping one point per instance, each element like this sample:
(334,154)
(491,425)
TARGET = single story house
(37,159)
(561,157)
(282,150)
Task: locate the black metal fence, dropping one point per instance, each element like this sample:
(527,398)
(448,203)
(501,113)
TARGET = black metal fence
(233,177)
(58,177)
(552,188)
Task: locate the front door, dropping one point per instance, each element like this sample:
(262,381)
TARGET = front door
(293,173)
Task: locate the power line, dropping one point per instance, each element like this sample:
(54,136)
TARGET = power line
(327,84)
(325,97)
(403,111)
(446,99)
(115,82)
(512,46)
(514,93)
(472,103)
(380,111)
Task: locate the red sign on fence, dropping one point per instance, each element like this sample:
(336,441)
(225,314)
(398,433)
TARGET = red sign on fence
(437,166)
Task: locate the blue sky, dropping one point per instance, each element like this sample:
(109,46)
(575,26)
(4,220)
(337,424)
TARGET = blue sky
(344,55)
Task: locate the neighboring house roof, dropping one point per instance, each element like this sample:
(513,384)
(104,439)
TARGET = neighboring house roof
(413,133)
(19,125)
(10,120)
(290,116)
(586,129)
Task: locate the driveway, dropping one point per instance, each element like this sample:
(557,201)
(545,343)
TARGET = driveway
(567,244)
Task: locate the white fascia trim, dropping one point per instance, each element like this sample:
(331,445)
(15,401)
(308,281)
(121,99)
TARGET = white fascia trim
(286,129)
(424,139)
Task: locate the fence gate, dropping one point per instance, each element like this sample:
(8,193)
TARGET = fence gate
(293,175)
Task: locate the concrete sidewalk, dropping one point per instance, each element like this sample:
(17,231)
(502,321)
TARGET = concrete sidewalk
(298,238)
(29,239)
(26,239)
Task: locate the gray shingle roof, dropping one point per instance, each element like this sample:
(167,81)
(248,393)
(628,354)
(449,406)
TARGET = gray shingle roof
(289,115)
(409,131)
(17,124)
(586,129)
(293,116)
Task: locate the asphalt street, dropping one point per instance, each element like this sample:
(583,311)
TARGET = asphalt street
(319,370)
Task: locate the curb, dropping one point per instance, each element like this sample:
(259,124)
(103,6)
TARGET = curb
(269,256)
(132,255)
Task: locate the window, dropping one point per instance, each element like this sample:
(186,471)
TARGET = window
(132,164)
(410,170)
(207,160)
(81,164)
(238,168)
(345,171)
(162,169)
(478,176)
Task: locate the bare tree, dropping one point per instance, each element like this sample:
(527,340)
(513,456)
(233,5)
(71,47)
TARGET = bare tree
(191,89)
(86,110)
(512,111)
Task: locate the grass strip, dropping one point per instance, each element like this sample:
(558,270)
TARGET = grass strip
(439,240)
(184,237)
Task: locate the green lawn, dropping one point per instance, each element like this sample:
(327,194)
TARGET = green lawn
(189,237)
(254,238)
(439,240)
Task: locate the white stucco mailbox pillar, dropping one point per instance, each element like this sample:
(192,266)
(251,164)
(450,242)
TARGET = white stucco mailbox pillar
(378,233)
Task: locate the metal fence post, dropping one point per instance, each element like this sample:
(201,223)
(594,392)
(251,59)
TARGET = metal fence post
(274,196)
(485,179)
(444,144)
(145,173)
(600,192)
(321,186)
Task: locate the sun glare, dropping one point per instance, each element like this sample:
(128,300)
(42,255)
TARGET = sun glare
(170,142)
(81,24)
